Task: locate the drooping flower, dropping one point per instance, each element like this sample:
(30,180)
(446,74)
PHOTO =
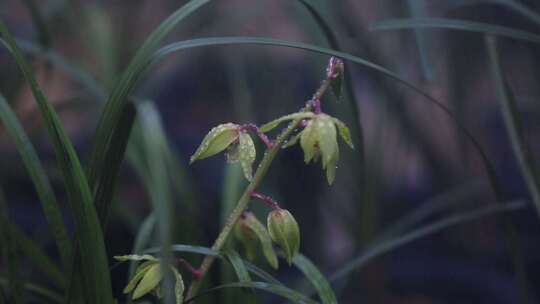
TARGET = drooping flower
(252,233)
(284,231)
(148,276)
(318,139)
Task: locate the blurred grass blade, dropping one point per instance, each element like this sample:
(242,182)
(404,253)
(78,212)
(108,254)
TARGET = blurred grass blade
(513,124)
(39,178)
(142,239)
(207,251)
(104,186)
(44,292)
(93,252)
(458,25)
(160,186)
(238,265)
(186,248)
(40,259)
(452,198)
(119,96)
(9,253)
(317,279)
(261,273)
(279,290)
(511,4)
(386,246)
(417,9)
(44,35)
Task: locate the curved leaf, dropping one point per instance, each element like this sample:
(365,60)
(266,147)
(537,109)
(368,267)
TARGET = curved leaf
(455,24)
(279,290)
(317,279)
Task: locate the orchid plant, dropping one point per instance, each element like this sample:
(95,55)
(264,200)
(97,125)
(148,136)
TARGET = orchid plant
(317,133)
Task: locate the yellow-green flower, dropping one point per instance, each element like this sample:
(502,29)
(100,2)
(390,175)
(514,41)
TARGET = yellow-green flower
(284,231)
(319,139)
(148,276)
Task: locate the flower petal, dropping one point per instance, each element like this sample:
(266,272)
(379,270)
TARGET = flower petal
(217,140)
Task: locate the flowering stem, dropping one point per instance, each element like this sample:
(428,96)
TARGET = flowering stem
(273,149)
(266,199)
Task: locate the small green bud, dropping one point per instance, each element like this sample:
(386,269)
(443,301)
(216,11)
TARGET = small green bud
(284,231)
(217,140)
(251,228)
(246,237)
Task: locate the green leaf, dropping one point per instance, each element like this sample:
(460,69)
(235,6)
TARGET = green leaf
(217,140)
(10,253)
(135,257)
(246,154)
(139,274)
(40,179)
(93,253)
(514,127)
(382,247)
(238,265)
(308,141)
(150,280)
(44,292)
(178,286)
(186,248)
(317,279)
(118,98)
(455,24)
(276,122)
(279,290)
(344,132)
(266,242)
(37,257)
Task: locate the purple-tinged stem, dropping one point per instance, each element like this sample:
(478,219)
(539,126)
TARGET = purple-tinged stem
(195,272)
(266,199)
(251,127)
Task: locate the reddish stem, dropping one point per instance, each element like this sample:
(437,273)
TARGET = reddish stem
(251,127)
(195,272)
(266,199)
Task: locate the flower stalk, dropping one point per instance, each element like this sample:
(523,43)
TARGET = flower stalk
(272,149)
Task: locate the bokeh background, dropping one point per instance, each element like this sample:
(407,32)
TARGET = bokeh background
(416,158)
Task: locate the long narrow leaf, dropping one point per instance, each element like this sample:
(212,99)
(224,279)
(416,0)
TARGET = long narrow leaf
(39,178)
(94,257)
(44,292)
(119,96)
(513,124)
(386,246)
(238,265)
(458,25)
(9,251)
(37,257)
(279,290)
(317,279)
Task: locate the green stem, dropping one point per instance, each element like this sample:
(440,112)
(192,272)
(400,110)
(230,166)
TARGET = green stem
(241,206)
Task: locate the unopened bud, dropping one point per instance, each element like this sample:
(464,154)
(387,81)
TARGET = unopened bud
(284,231)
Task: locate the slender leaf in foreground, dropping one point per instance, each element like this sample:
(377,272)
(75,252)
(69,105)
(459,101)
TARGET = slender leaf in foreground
(382,247)
(513,123)
(458,25)
(317,279)
(94,257)
(279,290)
(117,101)
(9,251)
(238,265)
(41,182)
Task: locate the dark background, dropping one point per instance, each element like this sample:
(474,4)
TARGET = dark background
(414,153)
